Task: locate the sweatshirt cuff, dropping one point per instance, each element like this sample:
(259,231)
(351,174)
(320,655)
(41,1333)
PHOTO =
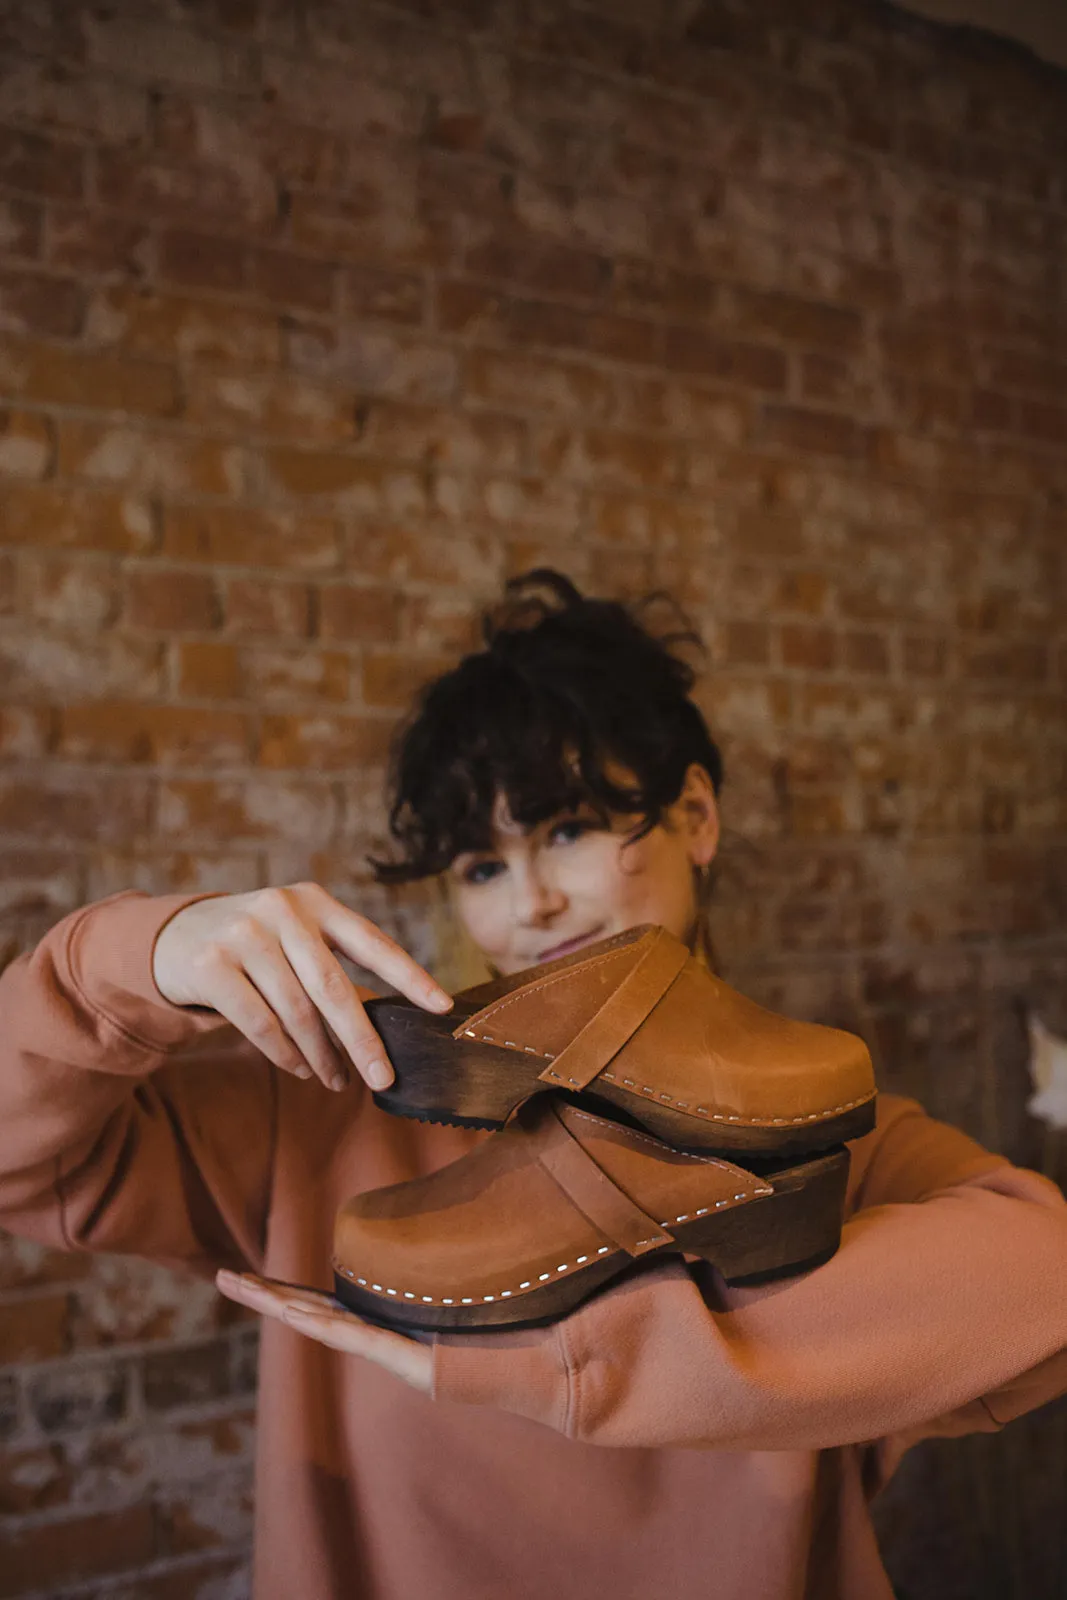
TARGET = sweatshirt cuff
(525,1372)
(110,953)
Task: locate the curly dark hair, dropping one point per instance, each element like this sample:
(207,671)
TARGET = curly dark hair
(565,687)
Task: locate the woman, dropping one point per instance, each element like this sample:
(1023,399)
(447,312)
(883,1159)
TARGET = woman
(565,786)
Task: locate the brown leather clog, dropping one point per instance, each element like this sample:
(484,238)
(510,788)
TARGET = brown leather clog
(640,1024)
(532,1221)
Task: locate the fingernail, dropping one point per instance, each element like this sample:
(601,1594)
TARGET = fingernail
(379,1075)
(302,1072)
(338,1081)
(439,1000)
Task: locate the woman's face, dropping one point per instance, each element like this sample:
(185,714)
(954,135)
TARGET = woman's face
(542,892)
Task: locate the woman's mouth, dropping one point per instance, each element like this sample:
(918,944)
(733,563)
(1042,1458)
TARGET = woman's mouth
(568,945)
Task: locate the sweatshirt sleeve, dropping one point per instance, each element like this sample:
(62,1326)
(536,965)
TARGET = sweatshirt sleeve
(126,1123)
(945,1309)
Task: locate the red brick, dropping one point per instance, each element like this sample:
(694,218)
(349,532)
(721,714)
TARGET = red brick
(769,534)
(80,808)
(302,674)
(867,652)
(349,480)
(378,293)
(817,815)
(746,644)
(804,591)
(1019,369)
(203,1516)
(755,366)
(41,514)
(539,383)
(369,222)
(609,458)
(476,440)
(924,656)
(812,648)
(189,192)
(70,590)
(50,375)
(327,743)
(292,280)
(34,1330)
(622,338)
(44,1556)
(209,671)
(259,606)
(273,403)
(463,307)
(26,731)
(255,812)
(41,167)
(26,444)
(653,287)
(96,242)
(373,360)
(31,302)
(763,314)
(246,537)
(996,412)
(202,260)
(34,1480)
(359,615)
(532,262)
(179,326)
(158,734)
(391,678)
(1011,661)
(1044,422)
(20,226)
(799,428)
(167,463)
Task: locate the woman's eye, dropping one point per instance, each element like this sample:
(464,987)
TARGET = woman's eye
(482,871)
(566,832)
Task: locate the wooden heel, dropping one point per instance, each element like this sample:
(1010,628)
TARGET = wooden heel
(793,1229)
(443,1079)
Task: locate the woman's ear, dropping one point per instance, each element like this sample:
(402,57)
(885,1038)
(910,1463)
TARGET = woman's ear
(696,814)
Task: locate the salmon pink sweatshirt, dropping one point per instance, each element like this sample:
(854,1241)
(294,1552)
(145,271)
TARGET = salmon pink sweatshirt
(669,1438)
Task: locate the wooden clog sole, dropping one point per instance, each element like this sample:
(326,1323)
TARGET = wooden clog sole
(470,1084)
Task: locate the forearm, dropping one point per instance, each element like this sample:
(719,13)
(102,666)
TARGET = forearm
(79,1018)
(924,1308)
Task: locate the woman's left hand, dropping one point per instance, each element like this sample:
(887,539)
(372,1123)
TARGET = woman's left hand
(321,1317)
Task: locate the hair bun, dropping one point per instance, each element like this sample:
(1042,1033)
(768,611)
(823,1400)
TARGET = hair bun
(523,608)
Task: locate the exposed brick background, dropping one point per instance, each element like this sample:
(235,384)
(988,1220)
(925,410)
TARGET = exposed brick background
(319,317)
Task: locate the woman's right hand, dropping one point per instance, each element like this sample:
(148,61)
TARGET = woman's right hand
(265,961)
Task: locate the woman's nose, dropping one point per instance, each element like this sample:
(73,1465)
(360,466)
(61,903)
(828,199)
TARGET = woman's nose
(536,898)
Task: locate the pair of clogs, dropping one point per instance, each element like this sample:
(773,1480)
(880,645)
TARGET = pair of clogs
(633,1091)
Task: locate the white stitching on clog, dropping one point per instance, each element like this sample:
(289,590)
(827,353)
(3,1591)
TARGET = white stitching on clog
(543,1277)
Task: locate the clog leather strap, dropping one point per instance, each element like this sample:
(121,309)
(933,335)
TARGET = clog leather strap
(622,1013)
(586,1185)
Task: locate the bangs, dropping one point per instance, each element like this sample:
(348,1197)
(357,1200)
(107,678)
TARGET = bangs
(483,735)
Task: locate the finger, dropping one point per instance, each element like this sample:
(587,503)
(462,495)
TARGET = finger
(344,1331)
(330,989)
(268,965)
(240,1002)
(363,942)
(271,1295)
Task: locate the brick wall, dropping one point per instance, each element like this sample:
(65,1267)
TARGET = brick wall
(317,318)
